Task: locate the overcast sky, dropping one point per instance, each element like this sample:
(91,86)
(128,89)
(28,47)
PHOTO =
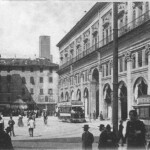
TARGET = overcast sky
(23,21)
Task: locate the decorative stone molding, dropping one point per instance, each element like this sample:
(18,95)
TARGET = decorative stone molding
(128,56)
(147,48)
(111,63)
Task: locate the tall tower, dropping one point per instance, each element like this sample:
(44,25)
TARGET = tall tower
(44,47)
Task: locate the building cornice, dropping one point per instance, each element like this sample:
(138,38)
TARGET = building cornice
(82,21)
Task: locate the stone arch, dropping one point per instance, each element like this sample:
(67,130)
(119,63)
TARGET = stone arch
(140,87)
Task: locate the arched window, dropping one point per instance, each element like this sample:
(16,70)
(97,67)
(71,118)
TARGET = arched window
(125,65)
(133,61)
(140,59)
(146,58)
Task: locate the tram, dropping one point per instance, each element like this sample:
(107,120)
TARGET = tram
(71,111)
(143,110)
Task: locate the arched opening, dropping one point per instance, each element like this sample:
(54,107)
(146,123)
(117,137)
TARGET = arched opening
(67,97)
(62,96)
(95,92)
(72,95)
(86,102)
(140,88)
(78,96)
(107,101)
(122,94)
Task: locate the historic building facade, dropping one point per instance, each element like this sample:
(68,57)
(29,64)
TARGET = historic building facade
(85,72)
(33,81)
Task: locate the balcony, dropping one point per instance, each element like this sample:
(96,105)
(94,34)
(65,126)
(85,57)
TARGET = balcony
(123,30)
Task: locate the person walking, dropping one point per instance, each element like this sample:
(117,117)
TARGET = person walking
(94,115)
(31,125)
(135,132)
(11,124)
(45,116)
(20,121)
(101,129)
(107,139)
(101,116)
(120,133)
(87,138)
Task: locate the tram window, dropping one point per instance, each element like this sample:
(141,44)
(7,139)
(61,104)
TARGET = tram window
(144,112)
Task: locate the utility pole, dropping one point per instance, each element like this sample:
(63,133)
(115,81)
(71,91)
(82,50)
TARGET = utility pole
(115,68)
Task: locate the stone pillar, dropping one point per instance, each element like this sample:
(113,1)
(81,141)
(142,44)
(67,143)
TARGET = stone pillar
(143,57)
(101,101)
(136,59)
(129,86)
(90,97)
(130,12)
(148,53)
(82,90)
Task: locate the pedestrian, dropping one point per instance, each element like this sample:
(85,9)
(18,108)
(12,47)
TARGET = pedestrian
(135,132)
(101,116)
(11,124)
(5,140)
(87,138)
(101,129)
(45,117)
(94,115)
(120,133)
(20,121)
(107,139)
(31,125)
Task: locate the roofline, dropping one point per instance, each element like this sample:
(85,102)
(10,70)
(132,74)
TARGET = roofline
(81,22)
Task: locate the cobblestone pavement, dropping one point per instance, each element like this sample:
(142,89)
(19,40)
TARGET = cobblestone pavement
(54,135)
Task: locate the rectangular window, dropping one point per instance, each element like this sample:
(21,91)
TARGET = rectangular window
(9,78)
(31,91)
(50,91)
(23,69)
(120,64)
(50,79)
(23,80)
(140,58)
(107,69)
(41,69)
(41,91)
(31,69)
(41,79)
(23,91)
(32,80)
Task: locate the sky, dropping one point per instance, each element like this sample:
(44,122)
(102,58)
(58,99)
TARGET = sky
(23,21)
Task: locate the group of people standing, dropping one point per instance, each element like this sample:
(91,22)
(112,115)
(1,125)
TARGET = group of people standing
(134,137)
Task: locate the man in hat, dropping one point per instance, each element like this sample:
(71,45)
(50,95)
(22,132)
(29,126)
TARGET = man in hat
(87,138)
(103,132)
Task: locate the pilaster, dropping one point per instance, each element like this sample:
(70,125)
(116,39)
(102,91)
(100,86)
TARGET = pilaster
(129,87)
(148,53)
(101,102)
